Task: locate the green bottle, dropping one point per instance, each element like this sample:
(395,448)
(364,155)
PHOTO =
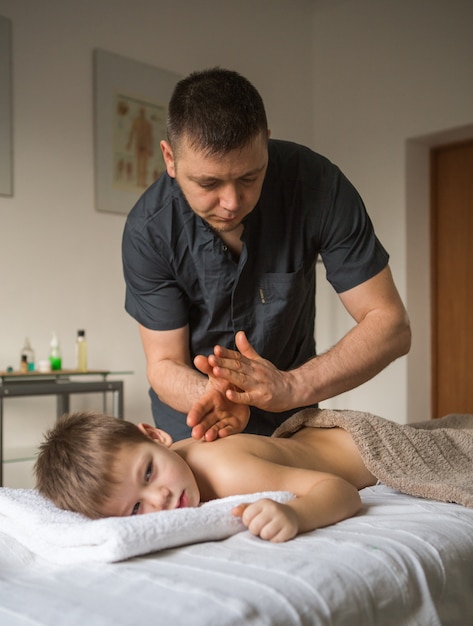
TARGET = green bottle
(55,353)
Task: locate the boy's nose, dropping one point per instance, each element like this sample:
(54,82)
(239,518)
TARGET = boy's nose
(160,499)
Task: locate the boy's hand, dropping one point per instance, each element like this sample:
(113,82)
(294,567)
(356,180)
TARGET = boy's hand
(268,519)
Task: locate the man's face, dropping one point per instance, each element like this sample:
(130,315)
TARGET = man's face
(222,190)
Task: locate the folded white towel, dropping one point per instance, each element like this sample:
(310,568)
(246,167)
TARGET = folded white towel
(64,537)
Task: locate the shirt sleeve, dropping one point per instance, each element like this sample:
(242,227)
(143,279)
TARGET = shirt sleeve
(153,297)
(350,249)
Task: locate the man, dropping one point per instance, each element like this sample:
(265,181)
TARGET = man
(227,240)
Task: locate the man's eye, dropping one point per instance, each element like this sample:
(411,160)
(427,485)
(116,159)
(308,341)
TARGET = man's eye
(136,509)
(209,185)
(149,471)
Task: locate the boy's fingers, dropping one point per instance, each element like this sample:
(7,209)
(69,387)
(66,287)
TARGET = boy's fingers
(237,511)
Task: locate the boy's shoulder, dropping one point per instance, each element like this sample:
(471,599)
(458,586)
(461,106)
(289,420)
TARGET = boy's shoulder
(241,449)
(241,442)
(229,465)
(228,452)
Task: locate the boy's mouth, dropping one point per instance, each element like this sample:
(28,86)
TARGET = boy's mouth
(183,501)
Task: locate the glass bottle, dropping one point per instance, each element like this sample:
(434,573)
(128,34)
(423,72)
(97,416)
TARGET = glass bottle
(24,364)
(81,351)
(28,351)
(55,353)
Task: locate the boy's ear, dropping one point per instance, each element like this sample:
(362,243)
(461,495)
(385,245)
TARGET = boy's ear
(156,434)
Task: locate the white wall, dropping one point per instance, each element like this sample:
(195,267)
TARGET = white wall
(355,83)
(391,79)
(60,259)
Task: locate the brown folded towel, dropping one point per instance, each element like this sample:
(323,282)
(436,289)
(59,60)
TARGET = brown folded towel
(432,459)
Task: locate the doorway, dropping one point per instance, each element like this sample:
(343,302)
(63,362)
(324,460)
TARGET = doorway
(452,278)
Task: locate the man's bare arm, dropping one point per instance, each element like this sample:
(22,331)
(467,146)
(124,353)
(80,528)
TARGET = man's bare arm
(179,385)
(168,367)
(382,334)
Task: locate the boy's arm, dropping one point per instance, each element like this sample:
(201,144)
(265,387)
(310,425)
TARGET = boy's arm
(321,498)
(331,500)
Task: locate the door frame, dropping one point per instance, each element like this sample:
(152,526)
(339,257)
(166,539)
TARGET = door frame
(418,279)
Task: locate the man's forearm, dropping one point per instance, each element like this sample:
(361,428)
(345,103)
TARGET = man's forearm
(176,384)
(381,334)
(361,354)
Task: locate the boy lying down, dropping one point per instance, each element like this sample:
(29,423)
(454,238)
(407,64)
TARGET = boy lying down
(101,466)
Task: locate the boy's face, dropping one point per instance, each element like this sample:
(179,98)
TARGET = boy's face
(151,477)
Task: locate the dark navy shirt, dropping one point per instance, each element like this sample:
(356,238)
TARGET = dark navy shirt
(178,271)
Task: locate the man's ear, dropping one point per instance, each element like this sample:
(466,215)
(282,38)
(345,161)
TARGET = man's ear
(168,156)
(156,434)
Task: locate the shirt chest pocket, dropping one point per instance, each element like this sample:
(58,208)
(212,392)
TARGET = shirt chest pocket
(277,304)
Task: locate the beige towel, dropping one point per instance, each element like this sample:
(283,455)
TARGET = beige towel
(432,459)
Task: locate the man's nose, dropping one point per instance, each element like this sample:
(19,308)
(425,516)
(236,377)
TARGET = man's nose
(229,198)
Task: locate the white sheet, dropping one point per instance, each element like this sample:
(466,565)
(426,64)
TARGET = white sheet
(402,561)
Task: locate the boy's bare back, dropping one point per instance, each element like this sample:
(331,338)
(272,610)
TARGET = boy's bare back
(250,463)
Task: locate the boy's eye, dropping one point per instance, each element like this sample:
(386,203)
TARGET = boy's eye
(149,471)
(136,509)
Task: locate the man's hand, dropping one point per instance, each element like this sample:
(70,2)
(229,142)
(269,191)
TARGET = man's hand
(268,519)
(214,415)
(253,380)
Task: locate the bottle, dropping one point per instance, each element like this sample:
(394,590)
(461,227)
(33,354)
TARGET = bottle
(24,364)
(55,353)
(28,351)
(81,351)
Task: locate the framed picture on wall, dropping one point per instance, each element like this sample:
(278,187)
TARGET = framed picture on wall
(6,143)
(130,109)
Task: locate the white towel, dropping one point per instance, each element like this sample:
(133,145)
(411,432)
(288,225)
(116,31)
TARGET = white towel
(64,537)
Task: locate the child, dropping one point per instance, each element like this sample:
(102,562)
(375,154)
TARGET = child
(101,466)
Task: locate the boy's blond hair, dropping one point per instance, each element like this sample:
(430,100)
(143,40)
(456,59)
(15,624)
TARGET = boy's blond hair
(76,460)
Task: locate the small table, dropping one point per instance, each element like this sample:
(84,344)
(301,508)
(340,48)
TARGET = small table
(62,384)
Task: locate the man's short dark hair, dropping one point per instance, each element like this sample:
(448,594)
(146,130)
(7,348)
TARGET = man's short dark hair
(216,110)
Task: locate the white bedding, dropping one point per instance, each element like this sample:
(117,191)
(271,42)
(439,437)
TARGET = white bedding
(402,561)
(66,538)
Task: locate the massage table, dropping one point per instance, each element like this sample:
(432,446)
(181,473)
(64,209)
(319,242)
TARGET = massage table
(403,560)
